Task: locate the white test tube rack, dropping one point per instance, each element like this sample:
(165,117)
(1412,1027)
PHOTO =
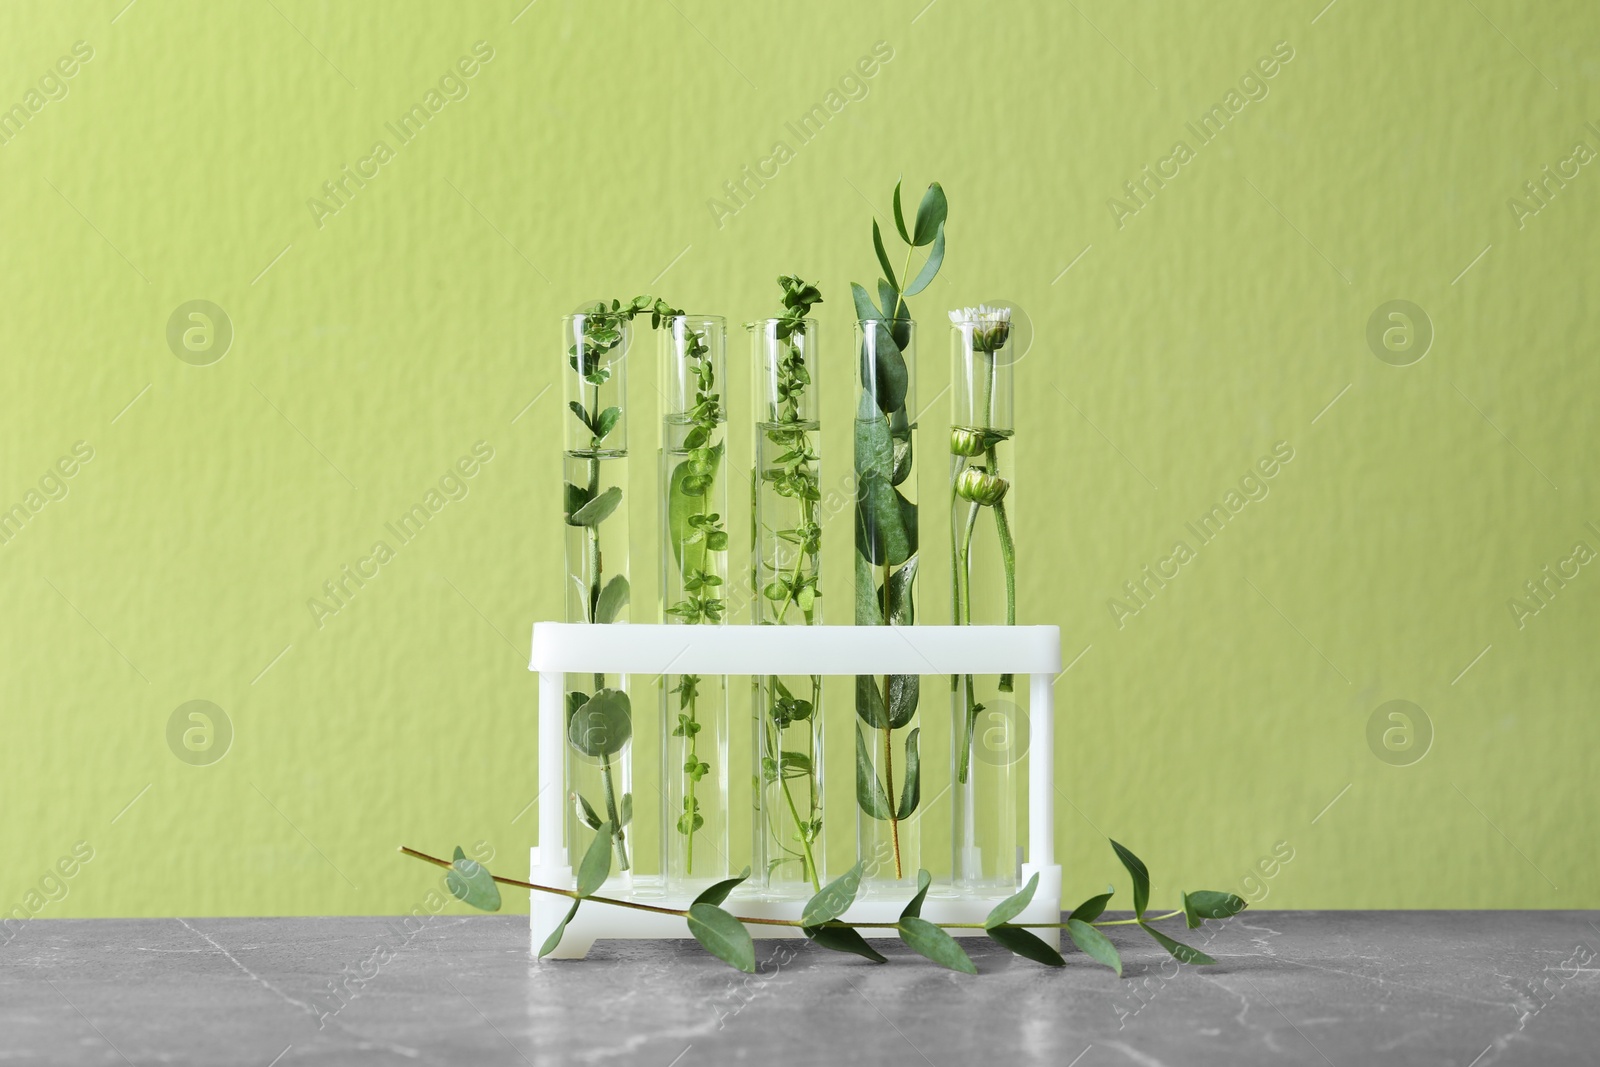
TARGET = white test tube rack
(653,650)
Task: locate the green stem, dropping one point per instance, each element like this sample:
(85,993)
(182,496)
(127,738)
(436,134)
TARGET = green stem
(964,599)
(611,813)
(1008,558)
(783,781)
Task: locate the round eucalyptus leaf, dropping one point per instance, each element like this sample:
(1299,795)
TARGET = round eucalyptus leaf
(603,725)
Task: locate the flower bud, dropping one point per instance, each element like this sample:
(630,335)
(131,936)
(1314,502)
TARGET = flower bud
(964,442)
(981,487)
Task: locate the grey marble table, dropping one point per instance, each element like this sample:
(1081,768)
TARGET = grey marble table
(1465,989)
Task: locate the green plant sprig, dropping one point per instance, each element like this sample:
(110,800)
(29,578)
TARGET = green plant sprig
(725,936)
(794,475)
(886,521)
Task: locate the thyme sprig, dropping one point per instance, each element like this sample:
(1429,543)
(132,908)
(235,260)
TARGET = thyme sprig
(724,934)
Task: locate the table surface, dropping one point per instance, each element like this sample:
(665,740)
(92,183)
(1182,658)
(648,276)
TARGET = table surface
(1465,989)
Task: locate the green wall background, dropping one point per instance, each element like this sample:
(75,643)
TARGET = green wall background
(374,346)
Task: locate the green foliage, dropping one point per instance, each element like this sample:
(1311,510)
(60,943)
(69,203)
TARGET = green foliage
(934,943)
(470,882)
(1096,944)
(1013,905)
(1141,878)
(724,936)
(834,899)
(602,725)
(1208,904)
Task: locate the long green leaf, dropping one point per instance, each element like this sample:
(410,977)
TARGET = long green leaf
(935,944)
(931,214)
(902,602)
(716,894)
(869,702)
(613,598)
(883,257)
(554,939)
(1091,909)
(885,373)
(471,882)
(1096,944)
(1139,874)
(866,310)
(595,867)
(1209,904)
(723,936)
(869,791)
(930,268)
(899,216)
(880,519)
(834,899)
(911,791)
(1013,905)
(844,939)
(868,611)
(903,694)
(599,509)
(1026,944)
(913,908)
(1182,952)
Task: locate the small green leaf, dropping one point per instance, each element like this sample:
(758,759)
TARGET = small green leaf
(626,804)
(597,510)
(1183,953)
(471,882)
(554,939)
(684,504)
(883,257)
(595,867)
(902,603)
(606,422)
(930,215)
(613,598)
(899,217)
(603,725)
(1141,878)
(1096,944)
(723,936)
(1026,944)
(844,939)
(869,702)
(716,894)
(869,791)
(586,813)
(1013,905)
(834,899)
(1209,904)
(935,944)
(930,268)
(574,497)
(911,791)
(914,907)
(1091,909)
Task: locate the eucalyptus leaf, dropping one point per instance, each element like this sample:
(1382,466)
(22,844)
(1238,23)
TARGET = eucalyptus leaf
(869,702)
(869,791)
(883,367)
(595,867)
(724,936)
(843,939)
(1183,953)
(716,894)
(613,598)
(913,909)
(1141,878)
(599,509)
(1096,944)
(911,790)
(900,469)
(931,214)
(1091,909)
(470,881)
(899,217)
(902,602)
(935,944)
(883,257)
(1013,905)
(603,725)
(930,268)
(626,804)
(903,694)
(1209,904)
(586,813)
(893,309)
(834,899)
(1027,945)
(868,611)
(866,310)
(881,532)
(554,939)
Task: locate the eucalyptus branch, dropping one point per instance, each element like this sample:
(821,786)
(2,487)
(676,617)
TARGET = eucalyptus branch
(725,936)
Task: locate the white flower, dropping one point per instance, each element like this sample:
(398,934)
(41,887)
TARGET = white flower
(990,325)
